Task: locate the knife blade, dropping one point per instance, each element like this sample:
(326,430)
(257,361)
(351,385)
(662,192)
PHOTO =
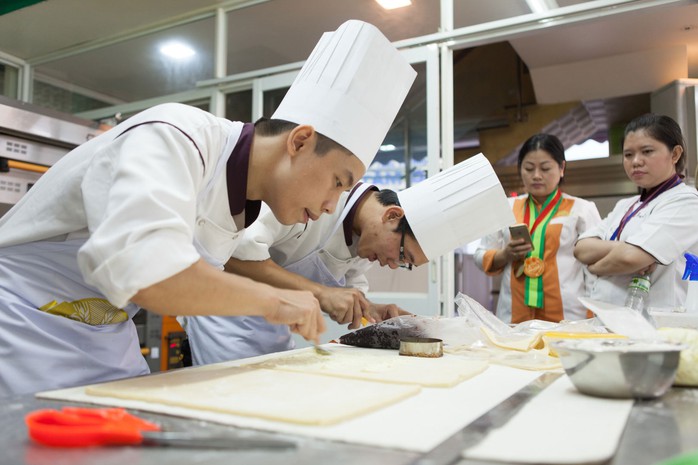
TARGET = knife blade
(187,440)
(451,449)
(321,350)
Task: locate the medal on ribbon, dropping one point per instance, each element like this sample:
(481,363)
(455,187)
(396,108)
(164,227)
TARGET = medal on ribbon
(533,267)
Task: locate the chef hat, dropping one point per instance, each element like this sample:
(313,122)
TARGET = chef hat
(350,88)
(457,206)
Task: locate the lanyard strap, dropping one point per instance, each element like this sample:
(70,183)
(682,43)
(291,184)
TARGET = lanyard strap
(533,287)
(553,201)
(670,183)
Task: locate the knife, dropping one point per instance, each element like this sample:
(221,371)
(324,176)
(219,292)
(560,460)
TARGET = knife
(177,439)
(451,449)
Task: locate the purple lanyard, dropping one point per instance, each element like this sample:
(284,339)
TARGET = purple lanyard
(673,181)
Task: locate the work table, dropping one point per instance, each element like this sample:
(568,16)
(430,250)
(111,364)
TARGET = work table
(655,431)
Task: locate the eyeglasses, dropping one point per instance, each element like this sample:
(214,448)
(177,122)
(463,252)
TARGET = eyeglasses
(401,262)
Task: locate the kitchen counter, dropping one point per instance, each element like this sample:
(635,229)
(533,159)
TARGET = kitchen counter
(656,430)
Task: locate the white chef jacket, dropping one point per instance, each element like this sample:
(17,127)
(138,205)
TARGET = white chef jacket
(318,252)
(666,228)
(119,213)
(573,279)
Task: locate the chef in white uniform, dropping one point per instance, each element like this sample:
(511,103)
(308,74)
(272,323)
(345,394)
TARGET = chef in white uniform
(146,214)
(651,232)
(330,256)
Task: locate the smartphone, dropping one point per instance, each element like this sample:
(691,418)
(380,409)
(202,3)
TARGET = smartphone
(520,231)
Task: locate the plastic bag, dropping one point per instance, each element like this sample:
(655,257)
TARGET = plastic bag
(387,333)
(475,333)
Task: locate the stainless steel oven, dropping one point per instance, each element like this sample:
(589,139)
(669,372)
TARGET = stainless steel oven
(32,139)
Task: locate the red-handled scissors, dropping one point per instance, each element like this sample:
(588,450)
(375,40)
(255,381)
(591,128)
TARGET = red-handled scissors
(79,427)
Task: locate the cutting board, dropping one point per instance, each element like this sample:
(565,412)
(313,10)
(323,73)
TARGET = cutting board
(558,426)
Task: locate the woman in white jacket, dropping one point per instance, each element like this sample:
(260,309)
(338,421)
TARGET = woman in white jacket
(650,232)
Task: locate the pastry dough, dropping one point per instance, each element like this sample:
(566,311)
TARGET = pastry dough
(521,342)
(250,391)
(535,359)
(687,373)
(382,365)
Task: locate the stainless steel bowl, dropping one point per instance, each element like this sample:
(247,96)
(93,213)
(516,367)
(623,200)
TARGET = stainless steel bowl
(620,368)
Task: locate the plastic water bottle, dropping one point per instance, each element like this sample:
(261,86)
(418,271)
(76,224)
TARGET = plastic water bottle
(638,294)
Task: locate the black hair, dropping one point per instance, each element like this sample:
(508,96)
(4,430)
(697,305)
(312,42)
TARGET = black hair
(665,130)
(388,197)
(267,127)
(543,141)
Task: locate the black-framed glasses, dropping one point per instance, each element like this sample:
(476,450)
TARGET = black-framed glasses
(401,262)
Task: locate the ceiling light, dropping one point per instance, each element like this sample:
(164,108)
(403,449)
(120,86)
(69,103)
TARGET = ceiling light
(392,4)
(177,50)
(540,6)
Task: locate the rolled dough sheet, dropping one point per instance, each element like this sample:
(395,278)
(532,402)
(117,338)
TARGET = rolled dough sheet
(305,399)
(382,365)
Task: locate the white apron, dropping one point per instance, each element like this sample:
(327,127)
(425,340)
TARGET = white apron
(49,351)
(218,339)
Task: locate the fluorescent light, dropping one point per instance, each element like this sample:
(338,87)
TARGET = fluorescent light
(392,4)
(177,50)
(539,6)
(387,148)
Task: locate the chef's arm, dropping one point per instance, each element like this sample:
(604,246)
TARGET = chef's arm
(203,289)
(623,258)
(592,249)
(343,305)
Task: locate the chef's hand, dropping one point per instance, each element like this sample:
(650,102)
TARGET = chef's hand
(381,312)
(345,305)
(300,310)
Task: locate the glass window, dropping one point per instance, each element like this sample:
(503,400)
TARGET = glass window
(272,100)
(238,106)
(405,147)
(63,99)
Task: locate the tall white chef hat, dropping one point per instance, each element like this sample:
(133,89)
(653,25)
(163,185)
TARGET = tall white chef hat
(457,206)
(350,88)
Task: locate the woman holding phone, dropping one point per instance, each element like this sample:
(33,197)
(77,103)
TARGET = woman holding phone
(541,279)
